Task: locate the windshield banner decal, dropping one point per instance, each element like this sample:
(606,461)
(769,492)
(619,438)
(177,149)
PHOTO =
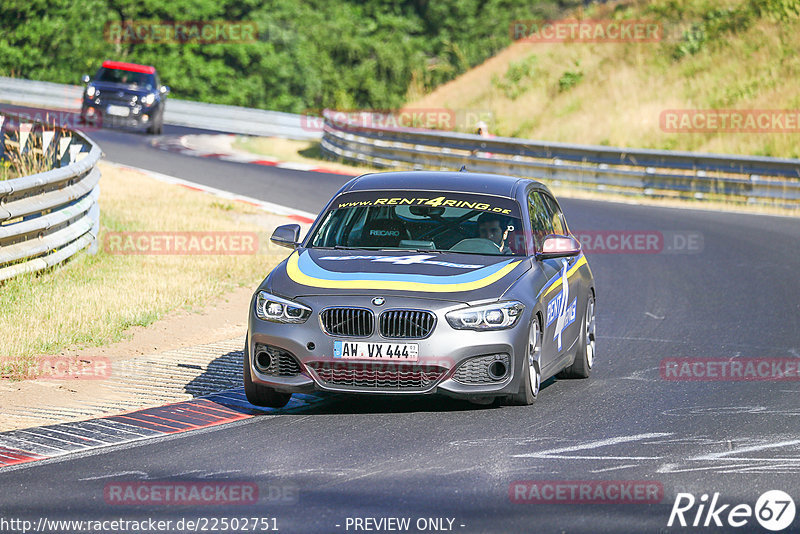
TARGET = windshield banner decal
(492,204)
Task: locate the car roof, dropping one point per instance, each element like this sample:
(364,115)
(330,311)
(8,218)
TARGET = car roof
(132,67)
(466,182)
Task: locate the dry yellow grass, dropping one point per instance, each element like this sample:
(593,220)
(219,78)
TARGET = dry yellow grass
(91,300)
(625,86)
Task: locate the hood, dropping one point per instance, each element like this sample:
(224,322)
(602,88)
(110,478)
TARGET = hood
(444,276)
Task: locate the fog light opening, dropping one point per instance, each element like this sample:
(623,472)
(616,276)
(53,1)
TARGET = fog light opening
(263,361)
(497,370)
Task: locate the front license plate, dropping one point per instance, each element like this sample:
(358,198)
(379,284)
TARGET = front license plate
(118,111)
(360,350)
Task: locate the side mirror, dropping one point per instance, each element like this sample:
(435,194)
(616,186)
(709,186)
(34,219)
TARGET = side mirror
(85,78)
(164,90)
(559,246)
(287,235)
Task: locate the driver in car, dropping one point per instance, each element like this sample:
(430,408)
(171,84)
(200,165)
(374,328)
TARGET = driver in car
(490,226)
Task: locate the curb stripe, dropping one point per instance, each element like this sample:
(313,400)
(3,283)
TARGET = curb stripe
(14,456)
(39,443)
(180,145)
(301,219)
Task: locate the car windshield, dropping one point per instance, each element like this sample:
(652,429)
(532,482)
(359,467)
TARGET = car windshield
(455,222)
(125,77)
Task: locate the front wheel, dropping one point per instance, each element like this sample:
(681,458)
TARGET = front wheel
(259,395)
(584,358)
(531,374)
(157,126)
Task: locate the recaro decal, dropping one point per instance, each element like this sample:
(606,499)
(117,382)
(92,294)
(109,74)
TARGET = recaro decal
(383,233)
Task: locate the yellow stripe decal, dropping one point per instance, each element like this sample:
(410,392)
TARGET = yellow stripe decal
(294,272)
(557,282)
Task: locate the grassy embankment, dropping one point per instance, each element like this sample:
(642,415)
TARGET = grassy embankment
(723,54)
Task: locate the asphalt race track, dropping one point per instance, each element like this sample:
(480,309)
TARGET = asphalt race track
(736,295)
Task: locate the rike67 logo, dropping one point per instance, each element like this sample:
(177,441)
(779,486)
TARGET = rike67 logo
(774,510)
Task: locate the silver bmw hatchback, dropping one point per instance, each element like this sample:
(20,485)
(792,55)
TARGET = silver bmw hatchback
(462,284)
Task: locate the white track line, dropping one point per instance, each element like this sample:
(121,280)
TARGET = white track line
(552,453)
(267,206)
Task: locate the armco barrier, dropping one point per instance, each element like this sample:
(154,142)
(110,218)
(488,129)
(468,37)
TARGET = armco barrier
(657,173)
(232,119)
(47,217)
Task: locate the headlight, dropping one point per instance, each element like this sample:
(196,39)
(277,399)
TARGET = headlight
(279,310)
(495,316)
(91,91)
(149,99)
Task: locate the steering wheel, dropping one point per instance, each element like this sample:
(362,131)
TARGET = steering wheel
(447,225)
(478,245)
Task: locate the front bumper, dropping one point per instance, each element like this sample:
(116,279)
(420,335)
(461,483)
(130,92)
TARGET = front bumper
(137,118)
(440,354)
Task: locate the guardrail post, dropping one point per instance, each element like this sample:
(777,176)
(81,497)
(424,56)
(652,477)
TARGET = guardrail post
(2,139)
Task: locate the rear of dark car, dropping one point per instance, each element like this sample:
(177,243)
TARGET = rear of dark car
(125,94)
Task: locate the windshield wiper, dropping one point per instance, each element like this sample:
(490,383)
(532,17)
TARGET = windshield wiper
(384,249)
(342,247)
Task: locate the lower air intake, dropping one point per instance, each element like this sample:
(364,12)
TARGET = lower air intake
(378,376)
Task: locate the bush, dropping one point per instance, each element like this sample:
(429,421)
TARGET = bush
(570,79)
(518,77)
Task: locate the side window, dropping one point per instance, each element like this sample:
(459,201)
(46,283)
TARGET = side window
(541,221)
(555,215)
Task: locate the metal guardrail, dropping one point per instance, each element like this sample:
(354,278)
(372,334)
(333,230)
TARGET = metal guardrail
(47,217)
(232,119)
(655,173)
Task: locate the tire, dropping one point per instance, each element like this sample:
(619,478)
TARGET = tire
(157,126)
(584,359)
(531,374)
(259,395)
